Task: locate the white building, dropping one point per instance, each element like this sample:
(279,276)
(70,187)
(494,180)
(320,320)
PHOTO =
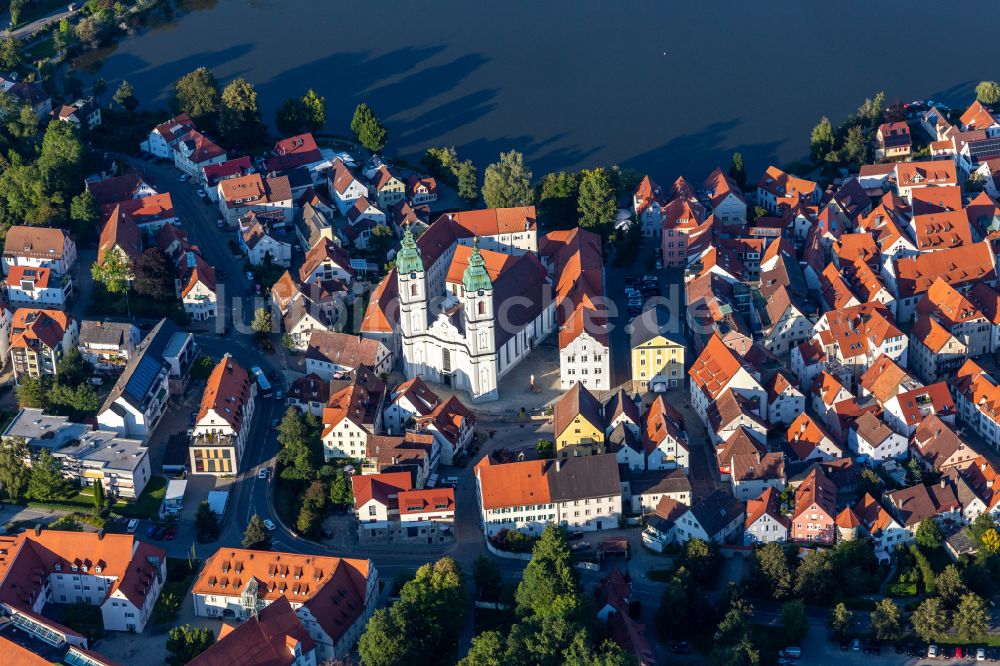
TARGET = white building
(333,597)
(468,316)
(224,419)
(38,288)
(39,247)
(108,345)
(139,397)
(114,571)
(579,493)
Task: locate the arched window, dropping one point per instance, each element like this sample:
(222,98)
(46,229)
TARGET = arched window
(413,290)
(482,307)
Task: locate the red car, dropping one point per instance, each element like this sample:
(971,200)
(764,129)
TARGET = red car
(959,652)
(170,534)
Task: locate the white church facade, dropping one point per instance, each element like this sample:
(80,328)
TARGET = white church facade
(471,306)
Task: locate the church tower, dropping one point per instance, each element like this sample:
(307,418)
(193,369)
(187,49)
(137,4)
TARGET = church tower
(412,290)
(479,322)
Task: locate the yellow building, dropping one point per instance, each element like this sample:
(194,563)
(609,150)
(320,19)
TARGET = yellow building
(657,351)
(578,422)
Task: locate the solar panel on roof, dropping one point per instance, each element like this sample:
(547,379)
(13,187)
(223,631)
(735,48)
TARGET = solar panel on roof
(142,378)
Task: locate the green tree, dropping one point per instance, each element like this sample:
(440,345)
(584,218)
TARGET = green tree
(775,570)
(24,198)
(738,172)
(928,534)
(72,369)
(61,161)
(197,94)
(841,620)
(886,620)
(16,7)
(261,324)
(368,129)
(549,581)
(423,626)
(154,276)
(75,402)
(507,183)
(702,560)
(856,149)
(66,523)
(313,111)
(290,117)
(557,199)
(85,215)
(98,494)
(468,181)
(341,493)
(487,649)
(794,621)
(949,586)
(33,392)
(46,482)
(872,109)
(971,619)
(989,544)
(313,503)
(821,142)
(206,523)
(114,271)
(441,163)
(14,474)
(596,200)
(930,619)
(203,367)
(125,96)
(10,53)
(814,579)
(299,456)
(988,92)
(186,642)
(167,608)
(546,448)
(90,32)
(488,579)
(256,536)
(239,115)
(978,527)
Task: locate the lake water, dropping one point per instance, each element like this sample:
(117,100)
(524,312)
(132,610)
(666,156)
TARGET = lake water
(666,87)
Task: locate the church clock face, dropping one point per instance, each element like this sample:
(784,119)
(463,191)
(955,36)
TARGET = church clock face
(413,276)
(481,292)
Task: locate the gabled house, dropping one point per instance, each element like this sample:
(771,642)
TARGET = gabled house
(808,440)
(388,187)
(252,193)
(108,345)
(258,241)
(663,437)
(893,140)
(195,285)
(344,186)
(716,370)
(164,137)
(907,409)
(224,418)
(39,247)
(937,445)
(717,518)
(330,353)
(193,151)
(353,414)
(578,423)
(39,339)
(785,402)
(815,509)
(977,395)
(881,526)
(913,504)
(764,521)
(871,437)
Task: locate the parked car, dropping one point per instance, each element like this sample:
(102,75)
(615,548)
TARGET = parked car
(150,531)
(959,653)
(248,275)
(220,223)
(269,525)
(932,651)
(202,193)
(183,177)
(681,647)
(170,534)
(856,645)
(262,474)
(980,654)
(160,531)
(132,525)
(573,536)
(580,545)
(95,380)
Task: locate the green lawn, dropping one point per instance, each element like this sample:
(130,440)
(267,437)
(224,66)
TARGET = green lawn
(898,589)
(148,504)
(40,50)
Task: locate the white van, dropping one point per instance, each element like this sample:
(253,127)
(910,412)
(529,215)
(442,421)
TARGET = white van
(132,526)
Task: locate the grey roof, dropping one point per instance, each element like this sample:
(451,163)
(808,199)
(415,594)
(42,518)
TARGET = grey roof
(622,435)
(109,449)
(716,511)
(652,322)
(144,366)
(47,431)
(583,477)
(650,482)
(103,332)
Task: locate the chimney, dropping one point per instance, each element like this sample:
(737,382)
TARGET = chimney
(982,467)
(942,482)
(100,534)
(559,464)
(38,529)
